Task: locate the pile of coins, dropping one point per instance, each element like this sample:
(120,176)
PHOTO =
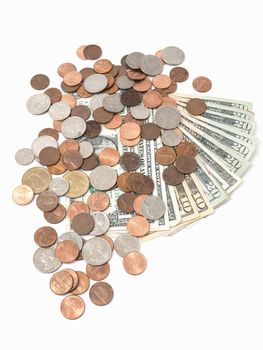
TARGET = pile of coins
(120,97)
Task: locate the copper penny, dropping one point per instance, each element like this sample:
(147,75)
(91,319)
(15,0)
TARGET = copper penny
(80,52)
(65,68)
(76,208)
(72,160)
(172,176)
(72,78)
(134,263)
(138,226)
(49,156)
(83,223)
(186,164)
(141,184)
(129,118)
(92,52)
(49,132)
(150,131)
(81,111)
(196,106)
(130,143)
(161,81)
(67,251)
(98,201)
(102,66)
(168,101)
(98,273)
(47,200)
(136,75)
(90,163)
(69,89)
(114,71)
(61,282)
(152,99)
(57,125)
(143,85)
(172,88)
(159,55)
(125,202)
(130,161)
(86,72)
(109,240)
(130,131)
(68,145)
(121,182)
(70,100)
(83,284)
(114,123)
(72,307)
(130,98)
(165,155)
(74,277)
(57,169)
(100,115)
(186,148)
(39,82)
(202,84)
(82,92)
(45,236)
(54,94)
(109,156)
(23,195)
(138,203)
(56,215)
(101,293)
(111,80)
(179,74)
(114,88)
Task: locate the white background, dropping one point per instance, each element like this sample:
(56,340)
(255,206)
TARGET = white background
(203,287)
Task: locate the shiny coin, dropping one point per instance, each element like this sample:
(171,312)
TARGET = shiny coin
(133,60)
(113,103)
(196,106)
(130,161)
(109,156)
(102,66)
(45,236)
(98,273)
(165,155)
(138,226)
(56,215)
(102,224)
(153,208)
(47,201)
(140,112)
(78,183)
(67,251)
(98,201)
(95,83)
(24,156)
(172,137)
(161,81)
(42,142)
(202,84)
(38,104)
(103,178)
(172,176)
(68,145)
(73,127)
(173,55)
(72,236)
(125,244)
(123,82)
(167,117)
(96,251)
(152,99)
(61,282)
(101,293)
(72,78)
(37,178)
(74,278)
(83,283)
(59,185)
(64,68)
(130,131)
(96,101)
(134,263)
(83,223)
(72,307)
(186,164)
(86,149)
(143,85)
(150,131)
(151,65)
(45,260)
(23,195)
(59,111)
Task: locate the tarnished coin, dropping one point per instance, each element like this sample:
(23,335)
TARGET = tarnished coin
(130,161)
(140,112)
(141,184)
(98,273)
(64,68)
(102,224)
(47,200)
(96,251)
(123,82)
(83,223)
(98,201)
(133,60)
(165,155)
(86,149)
(49,156)
(125,244)
(23,195)
(196,106)
(83,283)
(167,117)
(54,94)
(96,101)
(67,251)
(59,185)
(125,202)
(76,208)
(38,104)
(42,142)
(73,127)
(78,183)
(186,164)
(103,178)
(56,215)
(45,236)
(45,260)
(68,145)
(202,84)
(172,176)
(72,236)
(151,65)
(102,116)
(39,82)
(95,83)
(72,160)
(61,282)
(50,132)
(59,110)
(130,98)
(24,156)
(90,163)
(92,52)
(101,293)
(134,263)
(93,129)
(186,148)
(81,111)
(179,74)
(153,208)
(113,103)
(72,307)
(172,137)
(172,55)
(150,131)
(37,178)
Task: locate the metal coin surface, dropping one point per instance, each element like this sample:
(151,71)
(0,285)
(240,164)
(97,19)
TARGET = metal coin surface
(130,161)
(93,129)
(150,131)
(125,244)
(133,60)
(140,112)
(113,103)
(59,110)
(72,236)
(96,101)
(56,215)
(186,148)
(95,83)
(98,201)
(78,183)
(123,82)
(138,226)
(101,293)
(173,55)
(73,127)
(72,160)
(90,163)
(151,65)
(54,94)
(83,283)
(61,282)
(92,52)
(39,82)
(86,149)
(47,200)
(102,224)
(179,74)
(103,178)
(67,251)
(130,98)
(102,116)
(72,307)
(202,84)
(23,195)
(172,137)
(125,202)
(186,164)
(167,117)
(24,156)
(165,155)
(134,263)
(153,208)
(45,236)
(45,260)
(49,156)
(76,208)
(37,178)
(172,176)
(38,104)
(81,111)
(83,223)
(196,106)
(96,251)
(42,142)
(98,273)
(152,99)
(59,185)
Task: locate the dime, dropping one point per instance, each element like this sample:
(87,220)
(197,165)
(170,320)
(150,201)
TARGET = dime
(202,84)
(67,251)
(42,142)
(113,103)
(38,104)
(72,236)
(102,224)
(153,208)
(173,55)
(167,117)
(96,251)
(47,200)
(125,202)
(23,195)
(165,155)
(138,226)
(73,127)
(125,244)
(72,307)
(101,293)
(45,236)
(172,137)
(61,282)
(98,201)
(134,263)
(78,183)
(130,161)
(140,112)
(109,156)
(196,106)
(24,156)
(83,283)
(151,65)
(95,83)
(98,273)
(83,223)
(37,178)
(186,164)
(103,178)
(172,176)
(45,260)
(56,215)
(59,110)
(59,185)
(86,149)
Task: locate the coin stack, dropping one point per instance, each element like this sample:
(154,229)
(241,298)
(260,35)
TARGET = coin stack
(127,160)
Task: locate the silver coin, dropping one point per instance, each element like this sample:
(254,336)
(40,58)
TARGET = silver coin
(113,103)
(125,244)
(172,137)
(153,208)
(102,223)
(123,82)
(71,236)
(103,177)
(45,260)
(43,142)
(167,117)
(151,65)
(73,127)
(96,101)
(59,111)
(85,148)
(96,251)
(133,60)
(38,104)
(24,156)
(140,112)
(59,185)
(95,83)
(173,55)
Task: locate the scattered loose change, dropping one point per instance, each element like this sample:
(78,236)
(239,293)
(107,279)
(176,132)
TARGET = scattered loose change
(127,160)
